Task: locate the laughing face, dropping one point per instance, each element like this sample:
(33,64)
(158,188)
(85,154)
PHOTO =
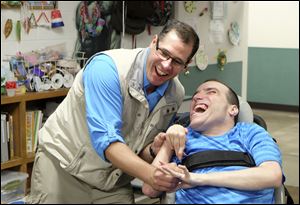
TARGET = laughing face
(210,111)
(167,59)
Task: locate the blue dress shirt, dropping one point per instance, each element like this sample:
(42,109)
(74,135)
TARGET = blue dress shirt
(104,103)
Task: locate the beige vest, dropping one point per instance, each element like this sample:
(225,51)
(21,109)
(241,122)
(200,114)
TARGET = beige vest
(65,133)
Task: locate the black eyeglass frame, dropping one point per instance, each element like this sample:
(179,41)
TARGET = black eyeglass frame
(168,56)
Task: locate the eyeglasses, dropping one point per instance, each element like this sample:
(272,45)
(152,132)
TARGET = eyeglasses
(164,55)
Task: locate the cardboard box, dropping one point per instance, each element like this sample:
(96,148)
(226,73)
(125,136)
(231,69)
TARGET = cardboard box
(13,185)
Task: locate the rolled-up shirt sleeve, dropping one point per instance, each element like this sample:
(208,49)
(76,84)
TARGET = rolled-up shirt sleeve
(103,103)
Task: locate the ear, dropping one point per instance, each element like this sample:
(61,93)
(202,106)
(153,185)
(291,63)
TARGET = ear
(233,110)
(154,40)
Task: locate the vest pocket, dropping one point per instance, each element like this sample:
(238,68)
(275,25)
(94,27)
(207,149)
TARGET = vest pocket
(90,168)
(164,116)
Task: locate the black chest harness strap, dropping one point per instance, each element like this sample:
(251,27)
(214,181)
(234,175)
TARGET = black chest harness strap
(224,158)
(218,158)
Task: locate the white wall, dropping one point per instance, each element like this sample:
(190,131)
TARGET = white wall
(274,24)
(271,24)
(235,12)
(39,37)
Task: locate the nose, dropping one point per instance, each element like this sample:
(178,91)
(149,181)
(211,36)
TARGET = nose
(167,64)
(199,95)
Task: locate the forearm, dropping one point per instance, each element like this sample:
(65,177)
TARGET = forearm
(155,147)
(133,165)
(265,176)
(164,155)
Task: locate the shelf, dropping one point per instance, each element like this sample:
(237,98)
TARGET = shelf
(30,96)
(17,161)
(16,106)
(30,158)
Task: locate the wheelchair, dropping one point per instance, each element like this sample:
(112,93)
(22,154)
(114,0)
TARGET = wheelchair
(282,196)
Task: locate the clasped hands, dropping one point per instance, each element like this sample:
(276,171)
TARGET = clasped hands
(168,176)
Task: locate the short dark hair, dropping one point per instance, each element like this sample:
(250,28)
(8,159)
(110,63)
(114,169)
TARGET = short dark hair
(231,96)
(184,31)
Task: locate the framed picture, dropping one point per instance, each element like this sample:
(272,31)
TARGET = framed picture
(41,5)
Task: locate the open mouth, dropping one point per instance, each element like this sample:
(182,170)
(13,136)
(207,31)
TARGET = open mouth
(200,108)
(159,72)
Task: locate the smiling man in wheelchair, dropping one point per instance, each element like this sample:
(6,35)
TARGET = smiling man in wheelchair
(224,160)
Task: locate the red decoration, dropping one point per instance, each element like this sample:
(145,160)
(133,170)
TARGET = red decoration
(11,85)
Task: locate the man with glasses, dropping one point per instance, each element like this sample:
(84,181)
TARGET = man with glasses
(110,125)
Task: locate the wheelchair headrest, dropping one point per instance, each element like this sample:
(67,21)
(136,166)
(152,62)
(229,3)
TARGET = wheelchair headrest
(246,113)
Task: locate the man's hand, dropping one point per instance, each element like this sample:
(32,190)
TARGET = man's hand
(158,142)
(164,181)
(181,173)
(176,137)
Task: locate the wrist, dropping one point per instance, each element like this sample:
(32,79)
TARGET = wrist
(152,153)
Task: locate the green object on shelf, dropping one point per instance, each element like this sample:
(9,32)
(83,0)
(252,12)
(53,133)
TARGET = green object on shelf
(3,90)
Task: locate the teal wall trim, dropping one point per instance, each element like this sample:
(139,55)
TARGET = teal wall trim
(273,76)
(231,75)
